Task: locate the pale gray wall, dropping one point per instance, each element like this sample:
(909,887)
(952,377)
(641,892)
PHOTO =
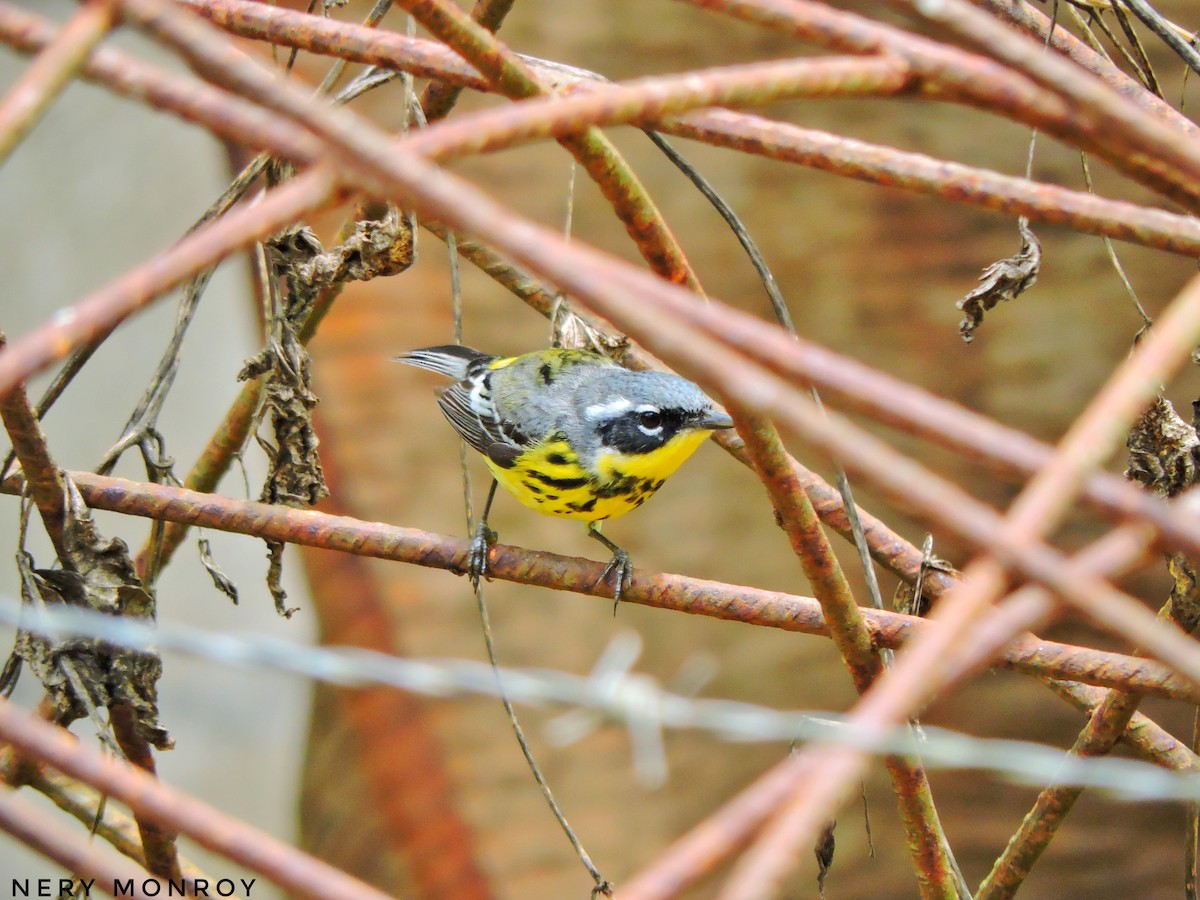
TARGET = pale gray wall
(100,185)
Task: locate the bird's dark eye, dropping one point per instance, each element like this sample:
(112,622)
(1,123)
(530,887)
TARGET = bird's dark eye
(650,419)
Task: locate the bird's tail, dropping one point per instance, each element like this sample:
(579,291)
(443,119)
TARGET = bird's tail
(450,360)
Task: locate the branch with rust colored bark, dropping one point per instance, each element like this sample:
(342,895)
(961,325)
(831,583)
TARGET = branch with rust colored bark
(746,133)
(1147,739)
(591,278)
(732,602)
(595,153)
(85,804)
(43,478)
(103,578)
(928,847)
(439,98)
(1040,90)
(958,183)
(1033,21)
(54,839)
(228,116)
(296,872)
(40,84)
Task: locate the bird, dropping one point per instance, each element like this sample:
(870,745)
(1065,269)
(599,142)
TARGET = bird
(569,433)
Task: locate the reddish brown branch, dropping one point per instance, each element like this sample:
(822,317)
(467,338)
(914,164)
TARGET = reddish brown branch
(1080,109)
(1097,107)
(927,843)
(596,154)
(226,115)
(46,485)
(644,101)
(439,98)
(1043,503)
(675,592)
(1033,21)
(1142,735)
(87,806)
(296,872)
(158,843)
(947,180)
(70,847)
(751,134)
(51,72)
(345,40)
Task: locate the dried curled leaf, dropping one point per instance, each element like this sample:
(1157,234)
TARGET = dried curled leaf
(275,579)
(302,268)
(223,582)
(1163,450)
(1185,594)
(1002,280)
(99,575)
(823,850)
(377,247)
(571,331)
(912,599)
(294,476)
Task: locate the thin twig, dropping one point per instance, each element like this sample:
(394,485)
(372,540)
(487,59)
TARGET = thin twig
(1170,36)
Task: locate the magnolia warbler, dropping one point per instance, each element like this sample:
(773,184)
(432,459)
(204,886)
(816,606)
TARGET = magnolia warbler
(570,433)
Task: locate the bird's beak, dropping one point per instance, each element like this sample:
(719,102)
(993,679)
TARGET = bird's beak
(715,419)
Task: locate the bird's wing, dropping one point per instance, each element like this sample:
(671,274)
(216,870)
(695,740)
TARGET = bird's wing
(468,406)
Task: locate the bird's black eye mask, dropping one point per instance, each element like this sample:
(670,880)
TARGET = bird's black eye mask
(641,429)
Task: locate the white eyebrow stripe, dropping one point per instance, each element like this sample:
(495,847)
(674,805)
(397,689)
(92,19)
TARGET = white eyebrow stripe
(607,410)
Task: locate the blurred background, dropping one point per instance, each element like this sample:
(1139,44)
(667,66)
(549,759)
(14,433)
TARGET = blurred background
(433,799)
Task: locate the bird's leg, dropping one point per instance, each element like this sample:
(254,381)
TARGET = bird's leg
(620,567)
(483,538)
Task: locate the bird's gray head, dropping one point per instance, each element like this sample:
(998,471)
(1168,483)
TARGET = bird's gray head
(637,412)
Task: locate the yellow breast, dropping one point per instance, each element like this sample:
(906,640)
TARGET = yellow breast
(550,479)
